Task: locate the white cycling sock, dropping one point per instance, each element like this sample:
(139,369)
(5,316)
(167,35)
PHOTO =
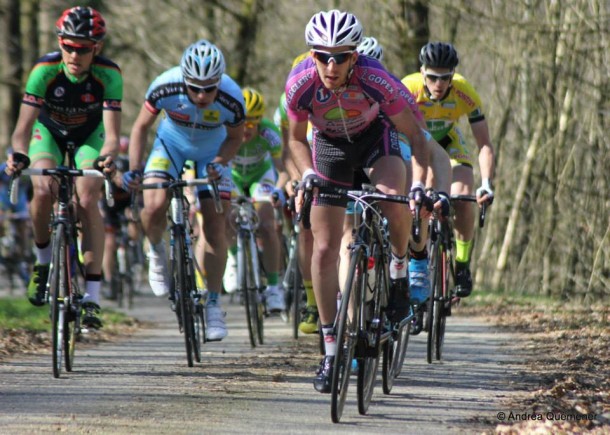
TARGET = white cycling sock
(92,292)
(398,267)
(43,255)
(330,341)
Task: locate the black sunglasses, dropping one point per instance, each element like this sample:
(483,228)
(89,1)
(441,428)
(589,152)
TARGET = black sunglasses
(78,49)
(339,58)
(443,77)
(200,89)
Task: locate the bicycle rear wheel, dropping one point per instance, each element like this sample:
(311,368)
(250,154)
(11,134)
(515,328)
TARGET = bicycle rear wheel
(347,337)
(394,352)
(57,292)
(183,293)
(401,344)
(373,321)
(72,306)
(296,290)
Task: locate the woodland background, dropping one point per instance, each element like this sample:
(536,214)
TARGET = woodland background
(540,67)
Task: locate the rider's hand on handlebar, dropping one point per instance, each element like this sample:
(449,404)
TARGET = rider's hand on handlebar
(278,199)
(485,193)
(104,164)
(215,170)
(16,162)
(131,179)
(419,198)
(306,184)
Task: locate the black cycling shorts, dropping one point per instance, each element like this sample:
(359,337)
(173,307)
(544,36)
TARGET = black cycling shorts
(336,159)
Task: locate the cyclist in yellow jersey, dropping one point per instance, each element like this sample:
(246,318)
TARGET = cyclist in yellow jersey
(444,97)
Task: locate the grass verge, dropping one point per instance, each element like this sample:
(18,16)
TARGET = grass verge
(25,328)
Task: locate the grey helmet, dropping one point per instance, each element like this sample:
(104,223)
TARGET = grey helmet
(371,47)
(202,61)
(333,29)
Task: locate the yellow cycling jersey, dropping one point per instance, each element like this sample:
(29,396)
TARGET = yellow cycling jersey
(442,115)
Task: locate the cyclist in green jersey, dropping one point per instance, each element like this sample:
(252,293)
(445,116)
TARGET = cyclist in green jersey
(72,95)
(258,172)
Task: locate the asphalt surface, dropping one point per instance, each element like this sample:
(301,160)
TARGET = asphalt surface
(141,384)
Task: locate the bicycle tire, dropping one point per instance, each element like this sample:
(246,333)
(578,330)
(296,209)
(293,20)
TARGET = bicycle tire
(196,311)
(199,325)
(445,299)
(434,301)
(401,343)
(57,283)
(260,303)
(72,318)
(296,290)
(183,295)
(246,281)
(116,287)
(369,364)
(346,330)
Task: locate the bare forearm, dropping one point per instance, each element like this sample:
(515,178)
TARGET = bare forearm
(301,155)
(486,162)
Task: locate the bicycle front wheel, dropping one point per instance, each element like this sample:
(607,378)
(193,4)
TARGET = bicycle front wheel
(57,292)
(346,327)
(435,301)
(198,323)
(183,293)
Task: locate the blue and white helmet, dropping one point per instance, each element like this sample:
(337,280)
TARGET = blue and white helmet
(371,47)
(202,61)
(333,29)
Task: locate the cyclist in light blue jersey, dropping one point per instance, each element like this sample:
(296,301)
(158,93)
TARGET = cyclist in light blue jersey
(203,122)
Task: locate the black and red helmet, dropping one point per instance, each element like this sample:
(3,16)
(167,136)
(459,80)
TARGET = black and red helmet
(81,22)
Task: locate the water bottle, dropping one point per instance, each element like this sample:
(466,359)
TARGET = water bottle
(371,279)
(121,260)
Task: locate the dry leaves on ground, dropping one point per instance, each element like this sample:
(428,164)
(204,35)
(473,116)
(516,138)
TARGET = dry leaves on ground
(567,355)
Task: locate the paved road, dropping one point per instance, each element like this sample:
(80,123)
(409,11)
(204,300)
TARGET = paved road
(142,385)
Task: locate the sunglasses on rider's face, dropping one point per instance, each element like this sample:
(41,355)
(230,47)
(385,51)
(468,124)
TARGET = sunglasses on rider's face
(75,48)
(442,77)
(252,122)
(199,89)
(339,58)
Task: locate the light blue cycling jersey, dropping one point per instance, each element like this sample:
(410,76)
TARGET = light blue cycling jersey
(187,132)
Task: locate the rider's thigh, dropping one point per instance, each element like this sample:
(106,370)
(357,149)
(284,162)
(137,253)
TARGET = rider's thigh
(463,180)
(388,174)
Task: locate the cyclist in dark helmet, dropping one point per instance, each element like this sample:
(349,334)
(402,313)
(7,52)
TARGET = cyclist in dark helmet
(444,97)
(86,90)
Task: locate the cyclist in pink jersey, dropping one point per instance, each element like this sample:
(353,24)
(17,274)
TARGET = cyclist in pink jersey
(357,111)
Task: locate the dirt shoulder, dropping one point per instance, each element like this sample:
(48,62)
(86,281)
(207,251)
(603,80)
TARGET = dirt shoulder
(564,377)
(567,349)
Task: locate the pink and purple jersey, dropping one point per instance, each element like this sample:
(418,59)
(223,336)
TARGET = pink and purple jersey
(348,112)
